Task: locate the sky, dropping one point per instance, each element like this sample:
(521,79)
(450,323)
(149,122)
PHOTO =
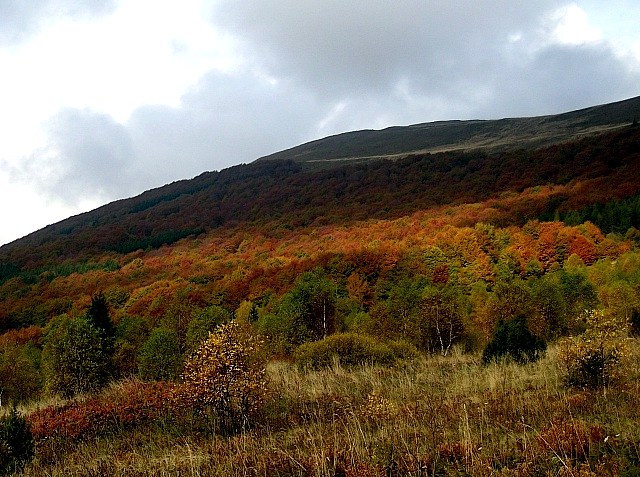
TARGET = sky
(104,100)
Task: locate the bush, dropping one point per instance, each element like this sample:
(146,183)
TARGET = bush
(128,404)
(160,357)
(226,376)
(595,359)
(16,442)
(403,350)
(352,350)
(512,339)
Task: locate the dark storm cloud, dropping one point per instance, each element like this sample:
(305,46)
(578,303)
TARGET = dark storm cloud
(19,19)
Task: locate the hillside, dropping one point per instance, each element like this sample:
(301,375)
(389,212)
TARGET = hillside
(594,178)
(441,136)
(284,195)
(462,312)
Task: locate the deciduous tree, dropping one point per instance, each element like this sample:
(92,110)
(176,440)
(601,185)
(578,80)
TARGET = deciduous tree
(74,357)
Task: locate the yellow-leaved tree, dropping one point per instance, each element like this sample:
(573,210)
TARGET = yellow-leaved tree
(225,378)
(596,358)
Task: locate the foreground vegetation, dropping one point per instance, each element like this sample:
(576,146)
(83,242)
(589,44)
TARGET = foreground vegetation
(435,416)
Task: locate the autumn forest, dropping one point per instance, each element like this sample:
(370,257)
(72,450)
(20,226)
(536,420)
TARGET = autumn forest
(448,313)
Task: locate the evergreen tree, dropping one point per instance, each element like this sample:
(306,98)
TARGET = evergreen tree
(514,340)
(98,316)
(16,442)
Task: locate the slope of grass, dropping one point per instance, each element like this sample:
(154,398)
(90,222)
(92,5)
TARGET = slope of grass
(441,136)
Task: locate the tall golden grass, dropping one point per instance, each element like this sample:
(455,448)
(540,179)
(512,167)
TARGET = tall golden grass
(436,416)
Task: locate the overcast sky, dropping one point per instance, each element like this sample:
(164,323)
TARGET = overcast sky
(103,100)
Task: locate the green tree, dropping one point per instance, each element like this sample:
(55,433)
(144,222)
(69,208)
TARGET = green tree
(284,329)
(512,298)
(442,312)
(507,267)
(549,308)
(202,323)
(513,339)
(579,295)
(404,300)
(307,312)
(396,313)
(177,318)
(131,334)
(74,358)
(20,378)
(434,258)
(160,358)
(620,299)
(315,297)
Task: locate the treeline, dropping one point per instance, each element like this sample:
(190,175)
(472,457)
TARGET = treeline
(31,276)
(155,241)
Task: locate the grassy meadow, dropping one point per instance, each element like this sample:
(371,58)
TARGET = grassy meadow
(435,416)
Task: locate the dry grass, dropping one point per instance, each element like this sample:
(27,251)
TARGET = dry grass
(439,416)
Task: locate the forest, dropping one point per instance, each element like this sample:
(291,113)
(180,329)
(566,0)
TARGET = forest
(465,313)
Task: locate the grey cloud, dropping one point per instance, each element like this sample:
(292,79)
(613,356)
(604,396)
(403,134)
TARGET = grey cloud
(88,156)
(321,67)
(560,78)
(415,61)
(341,47)
(19,19)
(225,120)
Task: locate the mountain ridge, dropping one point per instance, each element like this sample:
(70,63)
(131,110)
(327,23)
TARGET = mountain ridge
(443,136)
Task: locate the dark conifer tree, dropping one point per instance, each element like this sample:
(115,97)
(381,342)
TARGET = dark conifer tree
(98,315)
